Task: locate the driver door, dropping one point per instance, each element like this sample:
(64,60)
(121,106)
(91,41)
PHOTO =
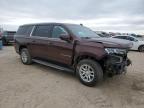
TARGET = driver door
(60,50)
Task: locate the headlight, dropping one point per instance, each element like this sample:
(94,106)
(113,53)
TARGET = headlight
(115,51)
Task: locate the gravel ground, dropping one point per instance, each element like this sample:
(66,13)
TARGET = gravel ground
(37,86)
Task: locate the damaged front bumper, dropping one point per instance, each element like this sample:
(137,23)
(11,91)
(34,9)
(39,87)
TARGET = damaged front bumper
(115,64)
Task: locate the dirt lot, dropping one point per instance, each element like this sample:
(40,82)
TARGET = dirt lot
(37,86)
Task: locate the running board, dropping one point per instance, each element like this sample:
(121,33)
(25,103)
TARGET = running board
(52,65)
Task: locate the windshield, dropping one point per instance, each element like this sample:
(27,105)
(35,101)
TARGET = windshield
(83,32)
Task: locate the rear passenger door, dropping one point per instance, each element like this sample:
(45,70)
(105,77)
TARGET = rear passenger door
(40,41)
(60,50)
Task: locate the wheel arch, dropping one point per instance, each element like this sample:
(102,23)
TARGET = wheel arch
(140,46)
(88,56)
(21,47)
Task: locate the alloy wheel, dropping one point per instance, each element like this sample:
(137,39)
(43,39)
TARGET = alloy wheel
(86,73)
(24,57)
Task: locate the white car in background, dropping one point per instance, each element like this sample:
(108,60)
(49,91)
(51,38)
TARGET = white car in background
(138,43)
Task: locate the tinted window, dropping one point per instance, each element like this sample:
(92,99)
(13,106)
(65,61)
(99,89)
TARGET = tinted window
(7,33)
(11,33)
(131,38)
(57,31)
(24,30)
(116,37)
(42,31)
(4,33)
(121,37)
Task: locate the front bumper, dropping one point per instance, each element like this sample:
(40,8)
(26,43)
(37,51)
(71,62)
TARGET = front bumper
(116,64)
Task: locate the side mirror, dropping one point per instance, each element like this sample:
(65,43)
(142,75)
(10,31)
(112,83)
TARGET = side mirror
(65,37)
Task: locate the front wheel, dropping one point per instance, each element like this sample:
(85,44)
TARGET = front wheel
(89,72)
(141,48)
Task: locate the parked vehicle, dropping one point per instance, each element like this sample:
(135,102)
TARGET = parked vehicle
(1,41)
(0,36)
(102,34)
(138,43)
(1,44)
(8,37)
(73,48)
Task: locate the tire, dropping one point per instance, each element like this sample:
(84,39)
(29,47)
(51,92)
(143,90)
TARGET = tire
(91,77)
(25,56)
(141,48)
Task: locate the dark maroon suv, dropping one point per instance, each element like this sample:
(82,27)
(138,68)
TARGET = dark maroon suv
(73,48)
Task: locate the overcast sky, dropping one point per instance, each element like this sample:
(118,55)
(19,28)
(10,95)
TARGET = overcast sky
(106,15)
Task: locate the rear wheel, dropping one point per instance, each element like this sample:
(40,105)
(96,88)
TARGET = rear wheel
(25,56)
(141,48)
(89,72)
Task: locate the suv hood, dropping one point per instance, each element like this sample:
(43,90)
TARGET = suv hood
(112,42)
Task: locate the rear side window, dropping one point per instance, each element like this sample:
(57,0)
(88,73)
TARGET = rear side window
(11,33)
(42,31)
(24,30)
(131,39)
(4,33)
(121,37)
